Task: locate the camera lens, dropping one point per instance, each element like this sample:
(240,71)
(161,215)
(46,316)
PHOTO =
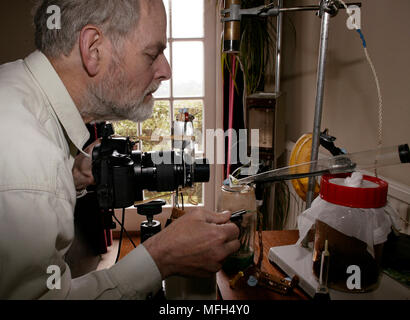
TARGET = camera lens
(168,176)
(201,171)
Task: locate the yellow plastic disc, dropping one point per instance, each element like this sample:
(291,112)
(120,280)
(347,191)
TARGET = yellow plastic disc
(301,153)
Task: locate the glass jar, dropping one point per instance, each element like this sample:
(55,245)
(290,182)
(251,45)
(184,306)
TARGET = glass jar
(345,252)
(234,199)
(354,222)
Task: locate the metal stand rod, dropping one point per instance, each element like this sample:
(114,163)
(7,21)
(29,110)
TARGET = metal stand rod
(324,36)
(319,101)
(279,23)
(267,11)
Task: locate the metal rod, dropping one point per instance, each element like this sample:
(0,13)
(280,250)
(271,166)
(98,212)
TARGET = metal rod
(235,12)
(271,10)
(279,23)
(302,8)
(276,11)
(291,176)
(324,37)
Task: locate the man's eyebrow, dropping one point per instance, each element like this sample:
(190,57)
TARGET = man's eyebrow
(159,46)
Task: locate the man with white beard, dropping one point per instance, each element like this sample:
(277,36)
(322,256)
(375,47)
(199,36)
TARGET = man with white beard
(103,64)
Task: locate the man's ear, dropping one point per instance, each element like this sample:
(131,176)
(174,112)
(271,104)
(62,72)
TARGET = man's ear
(91,49)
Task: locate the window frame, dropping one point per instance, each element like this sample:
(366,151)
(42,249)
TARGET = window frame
(212,101)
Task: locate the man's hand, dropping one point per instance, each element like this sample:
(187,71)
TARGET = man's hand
(195,244)
(82,169)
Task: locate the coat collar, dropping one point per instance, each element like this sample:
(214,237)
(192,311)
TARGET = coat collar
(59,98)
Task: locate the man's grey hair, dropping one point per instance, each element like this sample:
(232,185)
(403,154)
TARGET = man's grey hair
(116,18)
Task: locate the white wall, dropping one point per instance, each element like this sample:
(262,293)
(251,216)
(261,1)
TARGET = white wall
(351,105)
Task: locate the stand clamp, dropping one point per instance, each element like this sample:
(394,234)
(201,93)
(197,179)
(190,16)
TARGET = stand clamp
(150,227)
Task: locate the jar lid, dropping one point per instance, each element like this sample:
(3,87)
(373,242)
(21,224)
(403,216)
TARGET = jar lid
(368,197)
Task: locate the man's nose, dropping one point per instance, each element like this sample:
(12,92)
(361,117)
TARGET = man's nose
(164,72)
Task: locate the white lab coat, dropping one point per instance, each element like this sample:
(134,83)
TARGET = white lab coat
(40,133)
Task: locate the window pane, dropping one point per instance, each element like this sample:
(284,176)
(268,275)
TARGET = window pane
(126,129)
(157,126)
(156,195)
(164,90)
(195,107)
(166,5)
(188,69)
(187,18)
(193,196)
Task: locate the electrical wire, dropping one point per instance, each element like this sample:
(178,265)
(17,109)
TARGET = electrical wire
(238,171)
(126,233)
(231,109)
(376,78)
(182,201)
(379,96)
(244,91)
(123,230)
(121,234)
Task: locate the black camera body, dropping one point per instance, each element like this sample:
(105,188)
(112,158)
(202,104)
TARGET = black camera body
(121,173)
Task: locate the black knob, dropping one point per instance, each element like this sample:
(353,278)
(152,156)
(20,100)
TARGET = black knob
(151,208)
(150,226)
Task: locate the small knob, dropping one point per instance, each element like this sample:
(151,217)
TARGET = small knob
(151,208)
(150,227)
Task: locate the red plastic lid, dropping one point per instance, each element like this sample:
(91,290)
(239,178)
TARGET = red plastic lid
(354,197)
